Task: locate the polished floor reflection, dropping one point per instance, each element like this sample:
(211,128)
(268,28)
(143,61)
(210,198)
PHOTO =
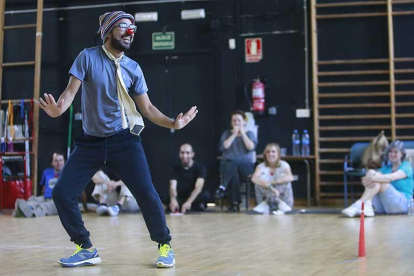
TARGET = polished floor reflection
(216,244)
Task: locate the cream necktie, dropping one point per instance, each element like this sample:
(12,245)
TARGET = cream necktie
(135,121)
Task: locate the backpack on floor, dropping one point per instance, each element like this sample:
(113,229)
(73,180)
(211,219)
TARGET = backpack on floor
(372,157)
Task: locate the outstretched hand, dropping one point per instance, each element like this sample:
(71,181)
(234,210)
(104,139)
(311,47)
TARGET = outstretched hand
(182,120)
(50,106)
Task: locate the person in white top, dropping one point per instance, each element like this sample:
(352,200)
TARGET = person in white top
(273,180)
(112,200)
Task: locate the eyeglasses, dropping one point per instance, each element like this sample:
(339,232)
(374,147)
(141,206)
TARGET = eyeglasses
(124,26)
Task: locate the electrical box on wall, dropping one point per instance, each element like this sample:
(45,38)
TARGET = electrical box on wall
(302,113)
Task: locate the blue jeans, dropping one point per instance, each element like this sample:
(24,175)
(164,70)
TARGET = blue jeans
(123,153)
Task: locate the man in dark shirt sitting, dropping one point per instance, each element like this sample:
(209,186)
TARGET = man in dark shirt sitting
(186,184)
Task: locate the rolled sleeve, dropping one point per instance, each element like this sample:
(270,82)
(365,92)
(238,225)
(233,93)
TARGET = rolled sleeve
(139,86)
(80,66)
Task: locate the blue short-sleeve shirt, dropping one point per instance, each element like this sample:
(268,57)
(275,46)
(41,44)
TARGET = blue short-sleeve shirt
(101,112)
(49,179)
(404,185)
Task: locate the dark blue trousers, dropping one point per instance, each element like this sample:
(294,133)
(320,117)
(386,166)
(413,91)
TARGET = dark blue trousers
(124,154)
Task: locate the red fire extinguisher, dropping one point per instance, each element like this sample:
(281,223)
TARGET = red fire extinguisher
(258,96)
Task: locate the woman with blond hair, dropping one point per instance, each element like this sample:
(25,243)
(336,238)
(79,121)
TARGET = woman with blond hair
(273,180)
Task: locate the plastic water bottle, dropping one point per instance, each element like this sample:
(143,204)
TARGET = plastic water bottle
(305,143)
(410,211)
(3,146)
(10,147)
(295,143)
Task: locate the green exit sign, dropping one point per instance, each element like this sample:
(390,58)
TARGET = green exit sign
(163,41)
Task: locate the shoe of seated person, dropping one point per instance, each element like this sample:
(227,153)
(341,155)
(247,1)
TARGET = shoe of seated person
(17,213)
(81,257)
(25,208)
(278,213)
(369,210)
(113,211)
(234,207)
(355,209)
(282,206)
(166,258)
(219,193)
(102,210)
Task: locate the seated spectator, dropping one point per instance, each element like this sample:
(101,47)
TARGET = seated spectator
(113,195)
(40,206)
(186,184)
(237,146)
(272,180)
(389,189)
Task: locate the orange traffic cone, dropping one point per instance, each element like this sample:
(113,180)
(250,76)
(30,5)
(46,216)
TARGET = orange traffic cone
(361,250)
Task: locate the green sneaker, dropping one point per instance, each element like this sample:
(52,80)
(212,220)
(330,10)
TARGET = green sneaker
(22,209)
(17,213)
(166,258)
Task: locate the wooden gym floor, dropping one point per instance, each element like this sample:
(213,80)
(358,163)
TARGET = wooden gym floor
(215,243)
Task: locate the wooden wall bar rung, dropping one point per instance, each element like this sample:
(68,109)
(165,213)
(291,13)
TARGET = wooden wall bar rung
(405,137)
(351,15)
(353,95)
(404,81)
(398,13)
(363,14)
(335,128)
(404,104)
(404,126)
(396,2)
(351,4)
(334,150)
(367,105)
(16,101)
(331,172)
(353,61)
(407,59)
(334,183)
(340,139)
(332,161)
(405,115)
(339,195)
(404,71)
(404,93)
(23,26)
(353,83)
(354,117)
(20,63)
(353,73)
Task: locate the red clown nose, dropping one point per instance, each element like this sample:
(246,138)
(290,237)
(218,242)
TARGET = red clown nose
(130,31)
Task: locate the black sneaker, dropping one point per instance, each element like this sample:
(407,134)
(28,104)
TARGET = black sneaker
(234,208)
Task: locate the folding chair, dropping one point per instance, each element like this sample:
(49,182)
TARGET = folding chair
(352,168)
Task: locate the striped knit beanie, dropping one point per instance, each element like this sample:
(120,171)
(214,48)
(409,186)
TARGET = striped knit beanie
(108,20)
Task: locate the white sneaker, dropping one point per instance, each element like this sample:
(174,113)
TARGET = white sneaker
(262,208)
(113,210)
(368,210)
(102,210)
(282,206)
(353,210)
(278,212)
